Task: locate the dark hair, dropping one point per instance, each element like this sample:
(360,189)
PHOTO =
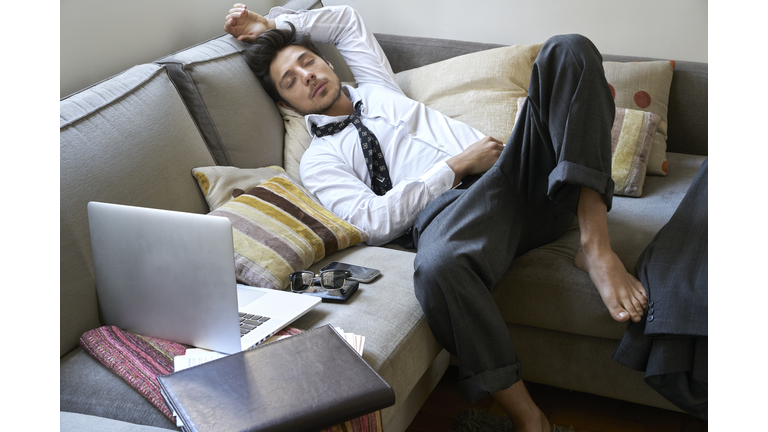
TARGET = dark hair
(268,45)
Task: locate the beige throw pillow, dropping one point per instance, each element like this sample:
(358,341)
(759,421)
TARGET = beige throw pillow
(297,140)
(479,89)
(218,182)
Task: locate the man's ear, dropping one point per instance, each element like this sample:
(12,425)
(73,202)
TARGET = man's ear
(285,105)
(329,63)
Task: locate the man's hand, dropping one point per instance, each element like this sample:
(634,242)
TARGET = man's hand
(245,25)
(475,159)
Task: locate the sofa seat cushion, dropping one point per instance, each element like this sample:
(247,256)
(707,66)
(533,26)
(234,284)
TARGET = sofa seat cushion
(75,422)
(544,289)
(398,342)
(88,387)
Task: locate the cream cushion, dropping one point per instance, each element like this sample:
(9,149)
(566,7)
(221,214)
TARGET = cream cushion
(480,89)
(297,140)
(218,182)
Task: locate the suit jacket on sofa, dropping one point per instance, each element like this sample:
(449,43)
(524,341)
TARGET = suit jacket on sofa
(670,343)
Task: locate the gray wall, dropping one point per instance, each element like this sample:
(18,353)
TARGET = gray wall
(667,29)
(100,39)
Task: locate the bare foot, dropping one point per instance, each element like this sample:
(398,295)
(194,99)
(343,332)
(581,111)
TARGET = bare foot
(517,403)
(622,293)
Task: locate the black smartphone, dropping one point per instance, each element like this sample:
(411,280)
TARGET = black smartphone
(359,273)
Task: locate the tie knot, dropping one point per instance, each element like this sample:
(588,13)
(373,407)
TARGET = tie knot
(336,127)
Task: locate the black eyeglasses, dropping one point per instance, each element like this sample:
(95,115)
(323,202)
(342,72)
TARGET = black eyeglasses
(331,280)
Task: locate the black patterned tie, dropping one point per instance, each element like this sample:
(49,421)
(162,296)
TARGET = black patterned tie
(374,158)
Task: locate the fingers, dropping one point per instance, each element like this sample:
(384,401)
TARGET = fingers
(234,15)
(247,38)
(236,12)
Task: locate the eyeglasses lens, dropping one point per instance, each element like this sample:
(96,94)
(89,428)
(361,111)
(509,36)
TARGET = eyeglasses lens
(300,281)
(333,279)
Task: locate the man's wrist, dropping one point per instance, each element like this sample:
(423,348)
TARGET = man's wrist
(455,165)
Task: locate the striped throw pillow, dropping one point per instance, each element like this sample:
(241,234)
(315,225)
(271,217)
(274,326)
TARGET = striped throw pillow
(632,136)
(279,228)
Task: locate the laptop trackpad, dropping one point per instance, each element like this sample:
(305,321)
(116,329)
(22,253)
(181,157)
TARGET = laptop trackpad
(247,296)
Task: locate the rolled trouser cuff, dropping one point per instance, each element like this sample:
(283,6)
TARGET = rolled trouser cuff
(487,382)
(569,175)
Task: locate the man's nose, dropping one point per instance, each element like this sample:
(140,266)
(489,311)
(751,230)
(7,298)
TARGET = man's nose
(308,77)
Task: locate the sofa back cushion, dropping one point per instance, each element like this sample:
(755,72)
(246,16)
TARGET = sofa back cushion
(127,140)
(229,105)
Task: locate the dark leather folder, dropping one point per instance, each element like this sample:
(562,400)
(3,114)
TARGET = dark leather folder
(306,382)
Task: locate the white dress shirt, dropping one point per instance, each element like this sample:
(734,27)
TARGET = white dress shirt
(416,140)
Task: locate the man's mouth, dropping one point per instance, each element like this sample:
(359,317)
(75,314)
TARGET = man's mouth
(319,88)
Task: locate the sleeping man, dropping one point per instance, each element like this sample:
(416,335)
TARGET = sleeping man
(392,166)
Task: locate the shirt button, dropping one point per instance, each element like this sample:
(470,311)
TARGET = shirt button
(651,305)
(650,318)
(650,311)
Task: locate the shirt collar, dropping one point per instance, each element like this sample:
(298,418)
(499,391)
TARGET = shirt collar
(321,120)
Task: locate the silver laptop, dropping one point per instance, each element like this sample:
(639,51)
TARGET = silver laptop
(171,275)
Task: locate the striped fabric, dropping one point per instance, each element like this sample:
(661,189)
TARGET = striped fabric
(279,228)
(631,138)
(139,360)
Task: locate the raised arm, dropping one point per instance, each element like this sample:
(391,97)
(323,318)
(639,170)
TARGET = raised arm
(246,25)
(343,27)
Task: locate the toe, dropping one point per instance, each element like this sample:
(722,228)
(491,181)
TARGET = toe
(620,315)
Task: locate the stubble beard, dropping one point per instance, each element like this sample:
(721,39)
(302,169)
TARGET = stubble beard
(323,108)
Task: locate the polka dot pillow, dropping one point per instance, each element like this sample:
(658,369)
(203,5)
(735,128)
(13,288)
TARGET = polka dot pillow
(644,86)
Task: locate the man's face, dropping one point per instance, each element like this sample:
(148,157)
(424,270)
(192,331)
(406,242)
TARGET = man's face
(306,81)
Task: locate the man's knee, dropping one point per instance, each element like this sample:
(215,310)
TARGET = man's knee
(570,41)
(579,48)
(430,267)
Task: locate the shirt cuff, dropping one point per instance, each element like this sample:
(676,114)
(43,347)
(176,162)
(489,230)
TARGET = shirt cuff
(439,178)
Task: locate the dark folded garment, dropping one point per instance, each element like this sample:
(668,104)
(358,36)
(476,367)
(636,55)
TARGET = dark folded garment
(303,383)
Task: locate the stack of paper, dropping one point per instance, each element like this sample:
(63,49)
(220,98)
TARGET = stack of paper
(357,341)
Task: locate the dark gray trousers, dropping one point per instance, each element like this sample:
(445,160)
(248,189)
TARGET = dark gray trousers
(466,239)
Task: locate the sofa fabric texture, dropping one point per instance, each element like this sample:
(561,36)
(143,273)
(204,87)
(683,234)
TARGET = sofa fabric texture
(135,139)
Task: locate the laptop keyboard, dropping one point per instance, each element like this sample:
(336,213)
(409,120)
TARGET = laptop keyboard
(249,322)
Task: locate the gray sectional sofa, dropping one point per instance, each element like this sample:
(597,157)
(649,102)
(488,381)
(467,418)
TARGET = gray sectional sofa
(134,139)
